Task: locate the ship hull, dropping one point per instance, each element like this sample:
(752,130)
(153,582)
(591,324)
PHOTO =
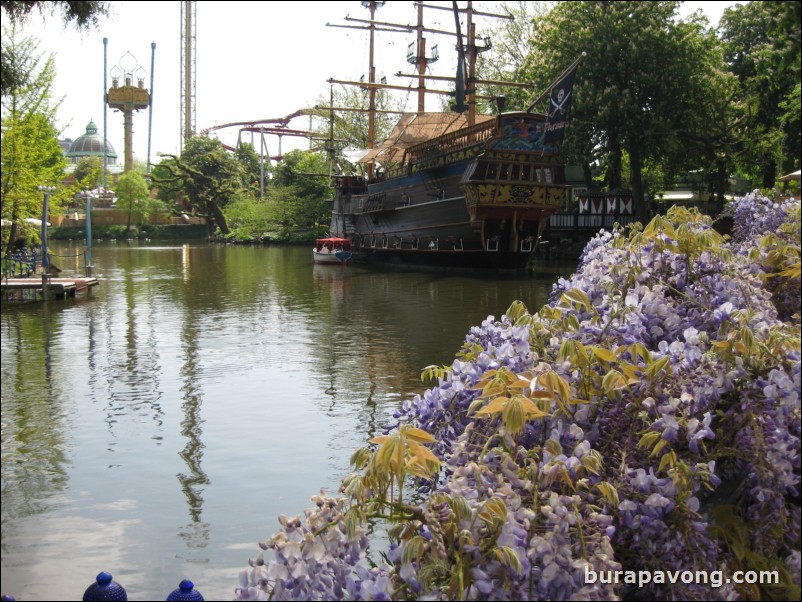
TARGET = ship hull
(477,201)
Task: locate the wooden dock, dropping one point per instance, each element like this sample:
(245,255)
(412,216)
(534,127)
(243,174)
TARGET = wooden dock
(30,289)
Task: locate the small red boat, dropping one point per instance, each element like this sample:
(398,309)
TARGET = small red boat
(332,250)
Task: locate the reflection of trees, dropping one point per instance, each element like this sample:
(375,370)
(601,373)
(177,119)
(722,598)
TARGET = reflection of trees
(191,429)
(133,370)
(382,328)
(196,532)
(33,465)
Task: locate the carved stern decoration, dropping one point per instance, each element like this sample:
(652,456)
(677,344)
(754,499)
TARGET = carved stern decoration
(516,184)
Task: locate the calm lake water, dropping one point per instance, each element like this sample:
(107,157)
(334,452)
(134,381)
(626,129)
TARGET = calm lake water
(158,429)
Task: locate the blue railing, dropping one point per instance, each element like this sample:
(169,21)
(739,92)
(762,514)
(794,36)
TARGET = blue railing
(21,264)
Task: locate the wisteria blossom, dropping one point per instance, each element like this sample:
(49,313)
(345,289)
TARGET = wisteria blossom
(646,419)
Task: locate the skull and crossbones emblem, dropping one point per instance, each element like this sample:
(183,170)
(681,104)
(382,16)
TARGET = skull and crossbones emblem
(559,104)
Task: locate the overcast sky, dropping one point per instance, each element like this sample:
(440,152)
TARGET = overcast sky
(254,60)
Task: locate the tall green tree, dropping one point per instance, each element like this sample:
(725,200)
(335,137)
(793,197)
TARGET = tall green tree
(81,13)
(645,72)
(31,155)
(133,196)
(207,175)
(511,44)
(763,50)
(88,172)
(300,193)
(255,171)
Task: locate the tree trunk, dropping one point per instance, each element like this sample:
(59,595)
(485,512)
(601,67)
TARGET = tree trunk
(644,210)
(721,179)
(219,217)
(588,175)
(769,174)
(12,236)
(614,170)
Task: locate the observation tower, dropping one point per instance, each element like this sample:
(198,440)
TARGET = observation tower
(128,98)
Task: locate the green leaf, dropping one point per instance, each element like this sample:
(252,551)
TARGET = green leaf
(493,510)
(414,549)
(664,363)
(649,439)
(509,558)
(577,296)
(416,434)
(603,354)
(494,407)
(609,492)
(613,381)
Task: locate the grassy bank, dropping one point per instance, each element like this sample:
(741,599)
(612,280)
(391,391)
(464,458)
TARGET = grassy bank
(152,232)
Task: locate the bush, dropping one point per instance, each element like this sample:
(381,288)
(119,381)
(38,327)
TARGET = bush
(646,419)
(169,232)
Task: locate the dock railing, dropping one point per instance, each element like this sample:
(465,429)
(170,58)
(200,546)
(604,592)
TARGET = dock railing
(21,264)
(28,263)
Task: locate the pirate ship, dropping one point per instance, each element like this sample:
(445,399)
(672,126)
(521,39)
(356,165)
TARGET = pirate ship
(457,189)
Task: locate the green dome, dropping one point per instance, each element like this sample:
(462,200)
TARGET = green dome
(90,145)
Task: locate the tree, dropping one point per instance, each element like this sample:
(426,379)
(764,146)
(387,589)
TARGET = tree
(254,171)
(133,195)
(31,155)
(763,50)
(511,44)
(300,195)
(350,126)
(207,175)
(81,13)
(645,73)
(88,172)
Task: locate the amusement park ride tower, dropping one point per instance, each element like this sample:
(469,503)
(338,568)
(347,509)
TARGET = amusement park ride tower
(128,98)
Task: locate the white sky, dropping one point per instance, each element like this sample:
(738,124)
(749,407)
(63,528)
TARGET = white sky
(254,60)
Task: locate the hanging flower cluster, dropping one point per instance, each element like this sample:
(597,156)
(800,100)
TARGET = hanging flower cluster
(644,423)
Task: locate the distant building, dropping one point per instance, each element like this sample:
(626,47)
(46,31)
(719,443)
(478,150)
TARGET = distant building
(89,145)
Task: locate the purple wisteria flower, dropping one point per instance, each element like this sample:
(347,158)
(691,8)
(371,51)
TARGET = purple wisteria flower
(646,419)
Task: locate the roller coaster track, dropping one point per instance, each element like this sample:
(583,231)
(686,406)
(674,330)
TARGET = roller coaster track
(277,125)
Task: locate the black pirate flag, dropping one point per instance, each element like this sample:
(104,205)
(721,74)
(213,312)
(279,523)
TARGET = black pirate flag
(559,108)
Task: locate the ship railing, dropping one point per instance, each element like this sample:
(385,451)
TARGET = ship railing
(606,221)
(528,244)
(372,203)
(452,141)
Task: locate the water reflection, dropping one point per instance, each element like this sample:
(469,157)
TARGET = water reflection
(134,370)
(196,532)
(205,390)
(34,463)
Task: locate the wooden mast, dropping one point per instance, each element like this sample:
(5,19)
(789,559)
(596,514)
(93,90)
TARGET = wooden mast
(422,61)
(370,4)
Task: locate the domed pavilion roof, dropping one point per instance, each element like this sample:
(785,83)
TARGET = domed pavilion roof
(90,145)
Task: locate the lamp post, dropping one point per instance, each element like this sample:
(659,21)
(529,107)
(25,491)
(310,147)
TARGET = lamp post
(88,199)
(47,190)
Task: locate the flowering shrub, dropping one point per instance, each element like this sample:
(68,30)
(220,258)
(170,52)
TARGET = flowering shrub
(646,419)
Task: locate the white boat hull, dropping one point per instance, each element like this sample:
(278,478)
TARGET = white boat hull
(330,258)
